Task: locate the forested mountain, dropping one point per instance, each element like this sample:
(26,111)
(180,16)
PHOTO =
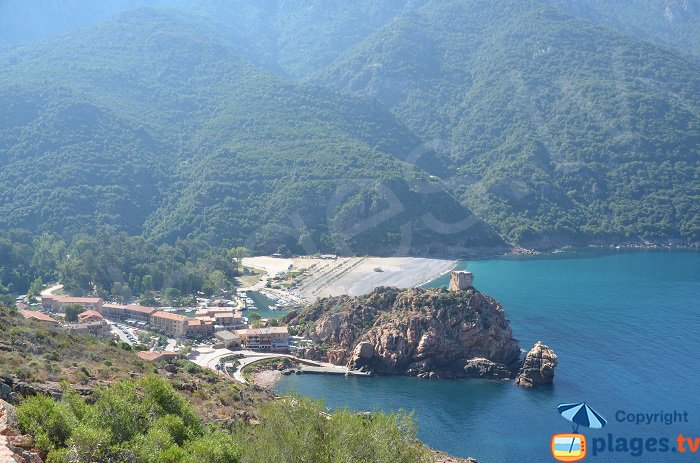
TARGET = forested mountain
(557,130)
(293,38)
(151,124)
(673,23)
(374,126)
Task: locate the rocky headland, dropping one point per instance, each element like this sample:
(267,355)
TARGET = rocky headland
(429,333)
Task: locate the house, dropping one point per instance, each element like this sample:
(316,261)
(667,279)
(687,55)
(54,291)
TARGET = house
(169,323)
(273,338)
(90,316)
(59,303)
(34,315)
(227,340)
(97,328)
(156,356)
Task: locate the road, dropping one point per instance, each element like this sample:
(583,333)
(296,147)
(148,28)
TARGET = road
(118,331)
(50,290)
(209,358)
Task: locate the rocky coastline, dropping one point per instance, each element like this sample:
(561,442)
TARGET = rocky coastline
(428,333)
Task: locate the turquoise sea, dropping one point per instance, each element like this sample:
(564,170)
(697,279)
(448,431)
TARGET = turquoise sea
(626,327)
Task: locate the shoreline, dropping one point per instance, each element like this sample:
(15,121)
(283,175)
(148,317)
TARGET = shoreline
(307,279)
(267,379)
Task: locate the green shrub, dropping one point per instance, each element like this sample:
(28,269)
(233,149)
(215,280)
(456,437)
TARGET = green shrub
(50,422)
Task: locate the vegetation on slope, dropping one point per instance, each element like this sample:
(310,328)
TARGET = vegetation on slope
(114,408)
(112,264)
(558,131)
(180,126)
(149,125)
(671,23)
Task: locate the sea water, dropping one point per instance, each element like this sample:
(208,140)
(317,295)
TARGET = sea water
(626,328)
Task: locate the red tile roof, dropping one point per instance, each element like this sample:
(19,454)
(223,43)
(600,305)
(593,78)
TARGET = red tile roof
(72,300)
(170,316)
(141,309)
(89,314)
(37,316)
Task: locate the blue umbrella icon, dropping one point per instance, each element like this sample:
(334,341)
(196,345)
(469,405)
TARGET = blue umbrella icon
(581,414)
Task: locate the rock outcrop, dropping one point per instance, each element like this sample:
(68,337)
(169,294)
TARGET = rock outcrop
(14,447)
(485,368)
(538,367)
(432,333)
(13,389)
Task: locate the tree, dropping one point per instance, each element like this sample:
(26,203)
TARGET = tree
(49,252)
(216,281)
(147,283)
(35,288)
(237,254)
(171,296)
(72,312)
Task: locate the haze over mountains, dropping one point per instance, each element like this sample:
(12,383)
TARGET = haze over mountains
(353,127)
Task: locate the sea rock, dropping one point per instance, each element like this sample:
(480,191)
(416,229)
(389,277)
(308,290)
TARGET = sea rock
(430,333)
(485,368)
(538,367)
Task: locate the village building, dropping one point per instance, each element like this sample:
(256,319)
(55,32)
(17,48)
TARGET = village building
(273,338)
(34,315)
(97,328)
(90,316)
(197,328)
(113,311)
(221,317)
(171,324)
(133,314)
(59,303)
(227,340)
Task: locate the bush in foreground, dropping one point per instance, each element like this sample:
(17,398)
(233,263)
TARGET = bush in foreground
(147,421)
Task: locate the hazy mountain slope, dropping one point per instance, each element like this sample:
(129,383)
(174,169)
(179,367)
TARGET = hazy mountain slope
(24,21)
(558,130)
(674,23)
(150,124)
(289,37)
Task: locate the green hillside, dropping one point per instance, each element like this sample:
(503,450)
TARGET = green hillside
(150,125)
(195,121)
(672,23)
(557,131)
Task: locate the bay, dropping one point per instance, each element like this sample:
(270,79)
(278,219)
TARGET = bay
(626,327)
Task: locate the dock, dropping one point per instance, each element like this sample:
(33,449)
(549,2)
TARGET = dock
(327,370)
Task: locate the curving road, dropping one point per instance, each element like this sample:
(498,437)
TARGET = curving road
(209,358)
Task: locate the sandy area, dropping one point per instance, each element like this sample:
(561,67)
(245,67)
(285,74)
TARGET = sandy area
(353,275)
(266,378)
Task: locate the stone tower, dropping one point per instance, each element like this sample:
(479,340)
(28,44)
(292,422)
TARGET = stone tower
(460,280)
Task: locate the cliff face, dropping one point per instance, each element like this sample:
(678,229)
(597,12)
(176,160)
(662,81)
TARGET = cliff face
(420,332)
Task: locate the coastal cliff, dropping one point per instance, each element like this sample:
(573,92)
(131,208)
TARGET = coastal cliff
(433,333)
